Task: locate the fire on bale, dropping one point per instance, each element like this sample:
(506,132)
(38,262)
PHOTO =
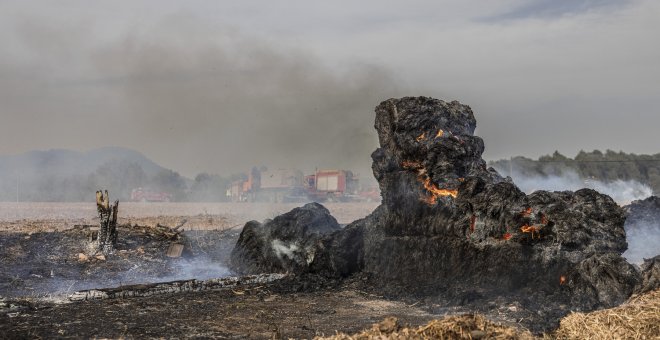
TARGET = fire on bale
(441,225)
(432,188)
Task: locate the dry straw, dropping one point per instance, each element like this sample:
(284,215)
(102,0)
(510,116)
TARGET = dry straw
(639,318)
(467,326)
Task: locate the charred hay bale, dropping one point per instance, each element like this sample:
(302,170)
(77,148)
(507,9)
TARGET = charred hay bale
(650,276)
(287,243)
(602,280)
(448,223)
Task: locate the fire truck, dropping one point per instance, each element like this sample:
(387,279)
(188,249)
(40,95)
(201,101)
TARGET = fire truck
(332,186)
(286,185)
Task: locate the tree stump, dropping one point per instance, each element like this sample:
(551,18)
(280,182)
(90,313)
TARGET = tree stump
(107,238)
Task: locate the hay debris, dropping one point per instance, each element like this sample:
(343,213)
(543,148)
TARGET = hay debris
(467,326)
(638,318)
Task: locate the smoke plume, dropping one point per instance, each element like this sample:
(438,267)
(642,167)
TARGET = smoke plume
(643,242)
(622,192)
(194,97)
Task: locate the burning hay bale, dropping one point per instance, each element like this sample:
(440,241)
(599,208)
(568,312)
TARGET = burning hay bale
(450,226)
(466,326)
(638,318)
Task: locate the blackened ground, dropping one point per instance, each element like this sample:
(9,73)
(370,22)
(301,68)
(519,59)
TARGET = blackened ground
(249,312)
(56,263)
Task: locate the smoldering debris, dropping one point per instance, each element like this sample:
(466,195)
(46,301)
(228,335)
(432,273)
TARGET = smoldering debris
(452,228)
(160,288)
(60,263)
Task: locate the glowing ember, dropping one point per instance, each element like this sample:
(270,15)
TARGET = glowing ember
(507,236)
(421,137)
(526,212)
(439,134)
(532,230)
(562,280)
(434,190)
(411,165)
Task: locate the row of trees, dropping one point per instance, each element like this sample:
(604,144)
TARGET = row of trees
(603,166)
(119,178)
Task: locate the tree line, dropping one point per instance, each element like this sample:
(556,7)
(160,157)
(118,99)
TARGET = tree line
(603,166)
(119,178)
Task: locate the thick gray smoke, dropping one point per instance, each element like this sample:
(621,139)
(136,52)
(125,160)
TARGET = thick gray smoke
(194,97)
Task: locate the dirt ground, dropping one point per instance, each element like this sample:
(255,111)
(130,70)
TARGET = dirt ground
(35,217)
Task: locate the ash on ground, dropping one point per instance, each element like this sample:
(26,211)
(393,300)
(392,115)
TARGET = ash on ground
(59,263)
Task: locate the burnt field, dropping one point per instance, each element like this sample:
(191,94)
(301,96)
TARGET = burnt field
(453,243)
(46,257)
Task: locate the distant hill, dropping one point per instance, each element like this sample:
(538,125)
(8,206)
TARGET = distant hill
(68,162)
(66,175)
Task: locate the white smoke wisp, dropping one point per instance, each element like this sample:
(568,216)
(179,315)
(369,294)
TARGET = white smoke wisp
(643,242)
(281,249)
(622,192)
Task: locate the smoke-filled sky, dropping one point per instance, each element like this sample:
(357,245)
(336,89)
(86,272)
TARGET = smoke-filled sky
(219,86)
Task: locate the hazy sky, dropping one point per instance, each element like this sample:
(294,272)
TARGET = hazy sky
(218,86)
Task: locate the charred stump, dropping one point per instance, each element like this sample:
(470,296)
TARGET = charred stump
(107,237)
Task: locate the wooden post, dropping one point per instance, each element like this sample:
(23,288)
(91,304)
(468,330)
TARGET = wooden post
(107,239)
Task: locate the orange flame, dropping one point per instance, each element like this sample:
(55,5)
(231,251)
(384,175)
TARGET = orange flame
(435,191)
(428,185)
(562,280)
(526,212)
(439,134)
(421,137)
(531,229)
